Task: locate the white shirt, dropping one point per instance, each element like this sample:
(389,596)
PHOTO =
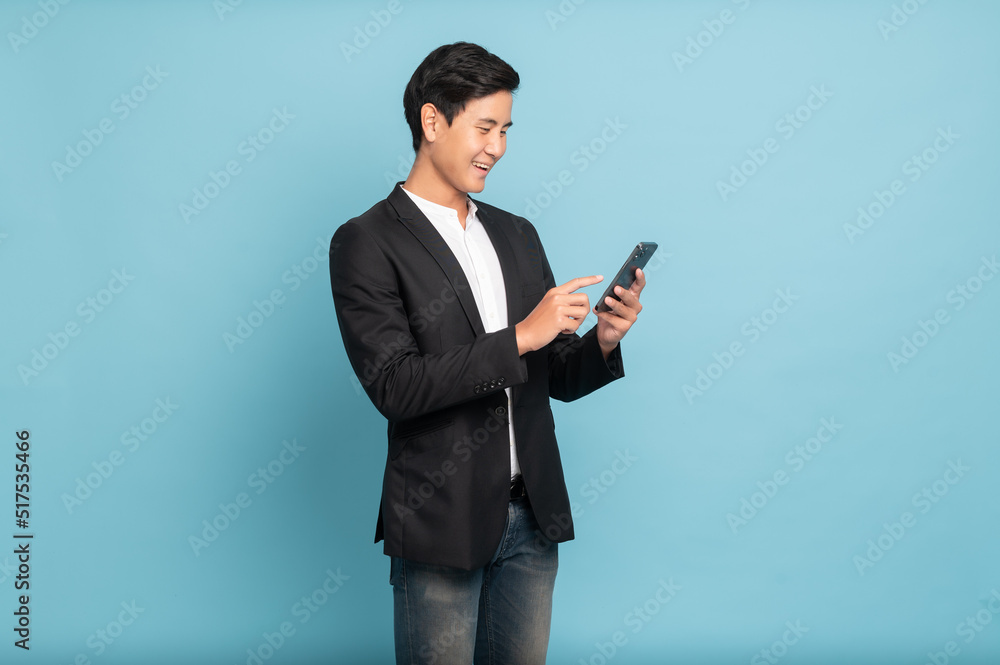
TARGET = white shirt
(475,253)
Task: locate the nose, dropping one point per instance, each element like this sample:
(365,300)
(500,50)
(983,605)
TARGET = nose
(496,146)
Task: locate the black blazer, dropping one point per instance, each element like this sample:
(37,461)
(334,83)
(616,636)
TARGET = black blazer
(416,341)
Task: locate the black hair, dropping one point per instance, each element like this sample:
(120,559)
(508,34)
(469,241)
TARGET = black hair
(449,77)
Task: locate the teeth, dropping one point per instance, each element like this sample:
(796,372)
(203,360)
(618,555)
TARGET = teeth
(481,165)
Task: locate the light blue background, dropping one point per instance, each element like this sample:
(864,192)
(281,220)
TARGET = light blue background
(719,264)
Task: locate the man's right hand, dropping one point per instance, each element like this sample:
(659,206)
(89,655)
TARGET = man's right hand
(560,311)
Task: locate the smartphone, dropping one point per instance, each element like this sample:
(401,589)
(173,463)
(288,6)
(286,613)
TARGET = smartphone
(637,259)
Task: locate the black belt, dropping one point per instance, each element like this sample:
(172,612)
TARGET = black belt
(517,488)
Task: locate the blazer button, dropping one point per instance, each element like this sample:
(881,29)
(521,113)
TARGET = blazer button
(500,410)
(500,381)
(476,388)
(493,383)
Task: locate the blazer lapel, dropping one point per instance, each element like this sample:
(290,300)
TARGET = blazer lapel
(508,263)
(418,224)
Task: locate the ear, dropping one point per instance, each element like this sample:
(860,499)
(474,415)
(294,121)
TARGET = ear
(430,120)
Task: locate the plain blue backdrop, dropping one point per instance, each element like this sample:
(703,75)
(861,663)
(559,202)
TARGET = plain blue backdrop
(810,396)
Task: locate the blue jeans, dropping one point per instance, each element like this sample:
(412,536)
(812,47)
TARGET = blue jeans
(497,615)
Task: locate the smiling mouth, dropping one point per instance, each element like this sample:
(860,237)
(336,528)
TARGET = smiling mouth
(481,166)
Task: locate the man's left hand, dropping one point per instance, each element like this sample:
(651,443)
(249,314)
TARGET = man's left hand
(612,326)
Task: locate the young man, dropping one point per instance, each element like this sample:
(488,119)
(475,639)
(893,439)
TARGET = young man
(455,327)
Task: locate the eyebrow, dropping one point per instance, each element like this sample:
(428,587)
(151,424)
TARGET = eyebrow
(491,121)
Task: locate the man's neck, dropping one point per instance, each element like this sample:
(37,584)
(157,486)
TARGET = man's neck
(425,182)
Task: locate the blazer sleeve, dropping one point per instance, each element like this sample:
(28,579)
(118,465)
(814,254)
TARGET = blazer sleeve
(576,365)
(402,382)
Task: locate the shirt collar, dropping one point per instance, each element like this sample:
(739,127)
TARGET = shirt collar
(438,209)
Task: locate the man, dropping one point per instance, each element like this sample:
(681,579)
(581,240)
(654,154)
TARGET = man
(454,325)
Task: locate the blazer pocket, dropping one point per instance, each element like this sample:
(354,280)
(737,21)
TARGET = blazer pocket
(419,438)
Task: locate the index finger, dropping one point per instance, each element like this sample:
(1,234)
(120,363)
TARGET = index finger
(578,282)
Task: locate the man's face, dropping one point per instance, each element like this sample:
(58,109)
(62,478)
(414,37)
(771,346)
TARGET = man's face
(464,153)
